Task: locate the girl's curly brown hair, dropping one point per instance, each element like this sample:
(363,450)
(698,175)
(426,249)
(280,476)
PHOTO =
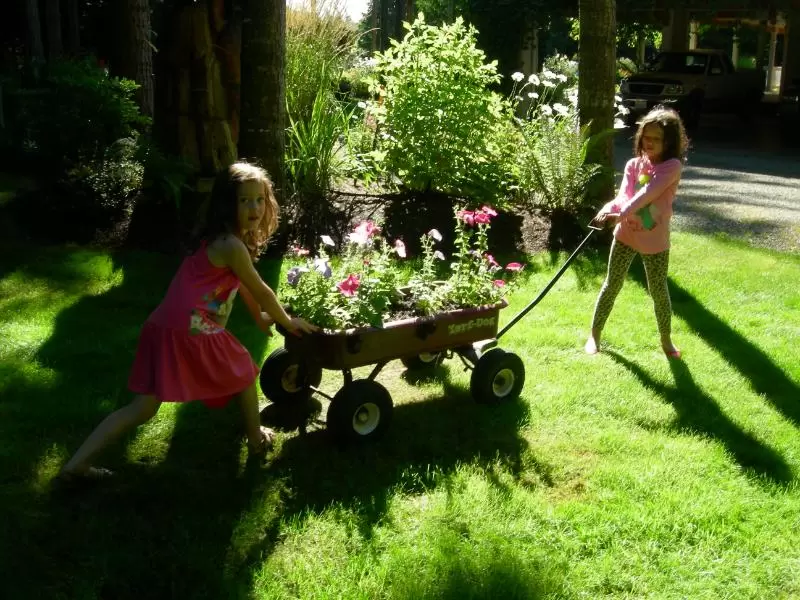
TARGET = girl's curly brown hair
(676,142)
(221,213)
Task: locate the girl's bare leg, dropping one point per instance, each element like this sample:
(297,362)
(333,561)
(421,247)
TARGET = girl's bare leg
(256,434)
(139,411)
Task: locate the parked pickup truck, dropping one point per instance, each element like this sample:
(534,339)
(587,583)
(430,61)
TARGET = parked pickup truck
(692,82)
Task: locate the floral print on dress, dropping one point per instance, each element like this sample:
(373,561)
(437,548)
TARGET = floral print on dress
(200,323)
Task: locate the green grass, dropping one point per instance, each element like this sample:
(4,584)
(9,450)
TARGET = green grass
(617,476)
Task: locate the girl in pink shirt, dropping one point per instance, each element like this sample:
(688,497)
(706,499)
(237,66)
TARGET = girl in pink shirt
(185,353)
(643,209)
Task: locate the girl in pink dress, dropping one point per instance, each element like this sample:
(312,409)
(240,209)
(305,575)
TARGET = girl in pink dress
(643,208)
(185,353)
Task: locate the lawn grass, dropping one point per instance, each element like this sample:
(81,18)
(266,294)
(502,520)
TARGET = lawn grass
(622,475)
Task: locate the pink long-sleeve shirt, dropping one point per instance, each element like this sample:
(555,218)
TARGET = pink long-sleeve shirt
(646,184)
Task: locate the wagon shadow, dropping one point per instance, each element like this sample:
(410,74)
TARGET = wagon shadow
(428,440)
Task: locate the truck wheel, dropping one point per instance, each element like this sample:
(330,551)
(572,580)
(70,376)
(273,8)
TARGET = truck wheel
(360,411)
(499,375)
(279,377)
(426,361)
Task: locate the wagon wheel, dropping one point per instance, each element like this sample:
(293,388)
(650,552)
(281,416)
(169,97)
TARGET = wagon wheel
(425,361)
(360,411)
(279,375)
(498,375)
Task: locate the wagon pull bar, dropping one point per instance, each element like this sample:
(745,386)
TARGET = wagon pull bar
(527,309)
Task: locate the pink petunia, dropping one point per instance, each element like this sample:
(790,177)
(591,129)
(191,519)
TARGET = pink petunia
(499,283)
(514,266)
(349,286)
(363,233)
(481,218)
(467,216)
(488,210)
(490,259)
(400,248)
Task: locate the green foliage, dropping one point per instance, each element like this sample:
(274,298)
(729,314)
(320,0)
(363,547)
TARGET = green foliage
(441,126)
(74,115)
(551,164)
(312,157)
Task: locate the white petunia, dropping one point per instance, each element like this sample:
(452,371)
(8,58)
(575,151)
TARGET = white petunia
(549,84)
(561,77)
(545,108)
(362,105)
(548,74)
(327,240)
(517,77)
(532,95)
(534,79)
(619,124)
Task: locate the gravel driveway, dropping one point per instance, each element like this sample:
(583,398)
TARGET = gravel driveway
(744,182)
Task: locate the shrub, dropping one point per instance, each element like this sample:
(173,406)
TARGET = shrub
(441,126)
(75,115)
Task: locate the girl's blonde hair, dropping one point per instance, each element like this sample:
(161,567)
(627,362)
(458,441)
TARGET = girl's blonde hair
(221,217)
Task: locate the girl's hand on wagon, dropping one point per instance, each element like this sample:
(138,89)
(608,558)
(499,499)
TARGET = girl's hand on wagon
(300,326)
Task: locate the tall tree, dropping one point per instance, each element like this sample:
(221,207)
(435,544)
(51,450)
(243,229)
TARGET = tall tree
(55,47)
(73,28)
(34,31)
(263,87)
(141,52)
(596,64)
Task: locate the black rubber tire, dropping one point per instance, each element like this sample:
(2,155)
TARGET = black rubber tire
(361,411)
(422,362)
(279,374)
(498,376)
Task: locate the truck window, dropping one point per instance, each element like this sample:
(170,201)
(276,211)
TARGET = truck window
(728,64)
(716,69)
(689,63)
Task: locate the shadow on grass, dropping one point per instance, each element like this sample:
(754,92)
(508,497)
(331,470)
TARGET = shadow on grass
(699,413)
(765,377)
(189,521)
(427,439)
(165,528)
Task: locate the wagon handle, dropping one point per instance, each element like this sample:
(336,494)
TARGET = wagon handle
(592,228)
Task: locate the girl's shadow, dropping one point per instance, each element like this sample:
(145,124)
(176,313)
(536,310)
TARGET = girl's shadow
(698,412)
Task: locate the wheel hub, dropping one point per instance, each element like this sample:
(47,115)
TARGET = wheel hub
(503,382)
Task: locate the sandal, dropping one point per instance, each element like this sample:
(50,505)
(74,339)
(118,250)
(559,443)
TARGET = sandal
(90,476)
(264,444)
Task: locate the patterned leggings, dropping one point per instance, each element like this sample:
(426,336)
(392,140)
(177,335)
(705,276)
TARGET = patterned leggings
(655,267)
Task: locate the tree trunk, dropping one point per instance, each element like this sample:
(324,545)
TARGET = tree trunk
(263,88)
(55,47)
(597,65)
(36,48)
(73,28)
(141,52)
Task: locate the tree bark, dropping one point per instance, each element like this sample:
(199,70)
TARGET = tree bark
(263,87)
(55,47)
(596,84)
(141,53)
(36,48)
(73,28)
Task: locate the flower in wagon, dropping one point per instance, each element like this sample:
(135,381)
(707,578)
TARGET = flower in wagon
(323,267)
(294,274)
(349,286)
(363,233)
